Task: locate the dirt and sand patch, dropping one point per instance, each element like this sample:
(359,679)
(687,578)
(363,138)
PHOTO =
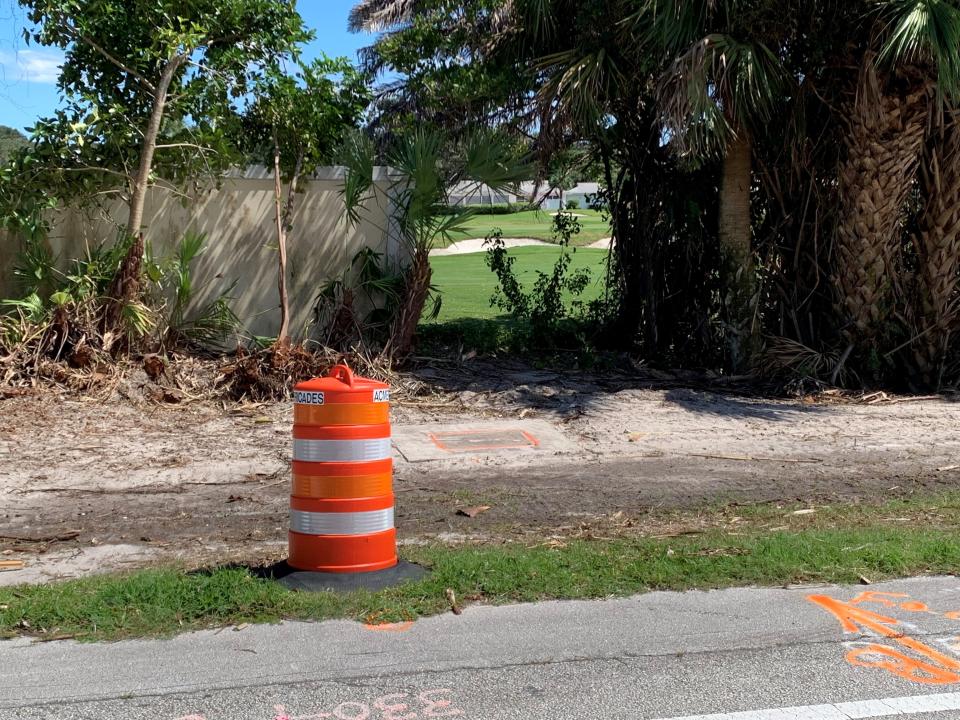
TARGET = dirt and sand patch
(202,482)
(475,245)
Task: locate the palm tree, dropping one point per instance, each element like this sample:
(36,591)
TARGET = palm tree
(937,244)
(723,82)
(426,165)
(912,61)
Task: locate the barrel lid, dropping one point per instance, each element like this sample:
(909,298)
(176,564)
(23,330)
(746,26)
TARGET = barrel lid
(340,385)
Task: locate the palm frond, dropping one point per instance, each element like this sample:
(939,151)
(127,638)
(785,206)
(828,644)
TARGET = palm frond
(380,15)
(358,157)
(717,86)
(491,158)
(580,83)
(923,31)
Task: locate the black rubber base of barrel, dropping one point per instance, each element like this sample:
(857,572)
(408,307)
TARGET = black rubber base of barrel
(344,582)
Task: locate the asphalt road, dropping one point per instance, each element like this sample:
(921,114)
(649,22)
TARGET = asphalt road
(725,655)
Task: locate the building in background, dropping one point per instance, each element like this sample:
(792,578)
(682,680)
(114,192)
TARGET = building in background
(470,194)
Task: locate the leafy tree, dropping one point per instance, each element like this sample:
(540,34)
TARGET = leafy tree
(148,83)
(295,124)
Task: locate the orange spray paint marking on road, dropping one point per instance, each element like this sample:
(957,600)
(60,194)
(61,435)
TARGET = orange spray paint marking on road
(942,670)
(881,598)
(901,665)
(952,615)
(389,627)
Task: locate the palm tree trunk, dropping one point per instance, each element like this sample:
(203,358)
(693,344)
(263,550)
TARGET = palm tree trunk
(883,144)
(411,306)
(938,251)
(736,252)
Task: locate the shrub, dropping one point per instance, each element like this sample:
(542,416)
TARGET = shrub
(543,306)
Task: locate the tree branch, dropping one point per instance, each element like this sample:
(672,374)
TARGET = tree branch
(201,148)
(120,64)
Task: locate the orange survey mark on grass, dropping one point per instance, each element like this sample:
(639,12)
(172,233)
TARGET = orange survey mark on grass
(932,667)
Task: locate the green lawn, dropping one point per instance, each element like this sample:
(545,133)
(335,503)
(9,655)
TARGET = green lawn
(467,283)
(537,224)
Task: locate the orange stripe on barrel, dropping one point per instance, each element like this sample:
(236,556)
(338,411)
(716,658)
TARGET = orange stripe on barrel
(365,413)
(342,486)
(343,553)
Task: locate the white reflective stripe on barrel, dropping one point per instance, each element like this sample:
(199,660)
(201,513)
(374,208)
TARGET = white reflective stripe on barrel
(345,523)
(341,450)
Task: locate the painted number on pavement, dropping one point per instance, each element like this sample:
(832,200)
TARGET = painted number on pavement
(396,706)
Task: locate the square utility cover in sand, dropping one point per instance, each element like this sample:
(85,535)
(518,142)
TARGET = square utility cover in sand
(418,443)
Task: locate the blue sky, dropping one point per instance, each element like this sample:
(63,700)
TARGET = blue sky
(28,74)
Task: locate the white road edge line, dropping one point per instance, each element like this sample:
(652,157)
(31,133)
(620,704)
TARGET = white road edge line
(887,707)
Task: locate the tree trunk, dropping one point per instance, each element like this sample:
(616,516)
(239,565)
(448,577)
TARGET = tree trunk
(126,284)
(737,254)
(125,288)
(148,147)
(411,306)
(938,252)
(883,143)
(284,331)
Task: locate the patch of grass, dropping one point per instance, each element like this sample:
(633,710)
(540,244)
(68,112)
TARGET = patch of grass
(537,224)
(467,283)
(837,544)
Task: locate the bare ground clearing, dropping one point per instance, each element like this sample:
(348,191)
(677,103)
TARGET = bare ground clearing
(88,485)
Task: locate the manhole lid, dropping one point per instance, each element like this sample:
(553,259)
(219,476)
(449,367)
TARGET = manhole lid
(494,439)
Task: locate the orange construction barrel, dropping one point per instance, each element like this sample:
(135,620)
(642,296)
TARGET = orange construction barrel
(341,502)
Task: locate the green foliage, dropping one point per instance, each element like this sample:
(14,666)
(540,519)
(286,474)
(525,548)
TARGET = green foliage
(922,31)
(359,156)
(80,295)
(359,306)
(573,205)
(428,163)
(544,306)
(209,325)
(307,113)
(119,58)
(34,266)
(69,312)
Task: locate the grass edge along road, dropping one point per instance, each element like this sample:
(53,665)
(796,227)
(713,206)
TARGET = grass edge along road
(839,544)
